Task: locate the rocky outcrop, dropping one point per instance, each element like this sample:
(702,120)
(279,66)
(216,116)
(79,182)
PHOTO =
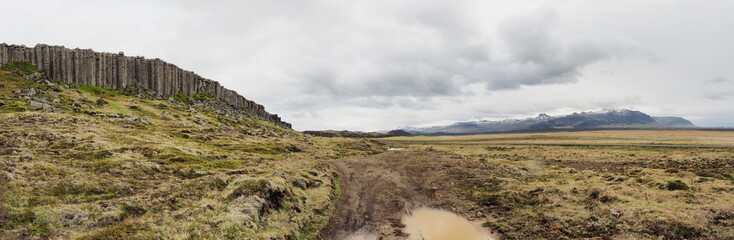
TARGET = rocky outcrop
(117,71)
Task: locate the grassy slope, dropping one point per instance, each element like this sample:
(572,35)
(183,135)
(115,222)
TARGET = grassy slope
(619,192)
(76,172)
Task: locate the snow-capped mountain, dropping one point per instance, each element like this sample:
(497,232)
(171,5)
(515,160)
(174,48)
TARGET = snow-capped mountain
(606,118)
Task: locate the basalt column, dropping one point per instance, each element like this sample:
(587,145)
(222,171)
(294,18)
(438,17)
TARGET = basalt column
(117,71)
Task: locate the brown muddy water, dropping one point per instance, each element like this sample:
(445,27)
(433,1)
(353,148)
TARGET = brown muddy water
(435,224)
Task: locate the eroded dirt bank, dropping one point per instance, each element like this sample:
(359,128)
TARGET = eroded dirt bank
(378,190)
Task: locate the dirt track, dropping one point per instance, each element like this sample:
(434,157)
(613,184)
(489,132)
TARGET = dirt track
(379,190)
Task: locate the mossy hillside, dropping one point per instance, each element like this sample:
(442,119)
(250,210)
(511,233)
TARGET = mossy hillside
(143,167)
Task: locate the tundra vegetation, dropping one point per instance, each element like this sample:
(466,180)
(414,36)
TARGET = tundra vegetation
(634,184)
(82,162)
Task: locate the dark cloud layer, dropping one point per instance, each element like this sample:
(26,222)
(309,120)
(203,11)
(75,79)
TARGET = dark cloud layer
(527,52)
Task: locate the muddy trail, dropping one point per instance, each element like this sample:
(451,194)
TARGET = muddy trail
(378,190)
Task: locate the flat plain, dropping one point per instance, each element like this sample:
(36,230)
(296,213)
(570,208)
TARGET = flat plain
(620,184)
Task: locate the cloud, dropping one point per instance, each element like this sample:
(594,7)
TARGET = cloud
(369,65)
(718,79)
(429,52)
(536,55)
(718,96)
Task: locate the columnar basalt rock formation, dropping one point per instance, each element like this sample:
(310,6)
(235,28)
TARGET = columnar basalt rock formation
(117,71)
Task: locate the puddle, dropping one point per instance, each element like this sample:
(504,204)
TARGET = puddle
(434,224)
(395,149)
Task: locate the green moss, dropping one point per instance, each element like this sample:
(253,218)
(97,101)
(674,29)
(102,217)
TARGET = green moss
(21,67)
(186,173)
(162,106)
(203,96)
(94,90)
(116,106)
(248,188)
(14,105)
(46,172)
(80,189)
(43,221)
(224,164)
(63,145)
(187,159)
(260,148)
(677,185)
(181,97)
(18,216)
(133,210)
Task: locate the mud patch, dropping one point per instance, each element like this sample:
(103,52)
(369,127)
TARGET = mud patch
(435,224)
(378,190)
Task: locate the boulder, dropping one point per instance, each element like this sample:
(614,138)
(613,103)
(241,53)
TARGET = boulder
(300,183)
(247,210)
(101,102)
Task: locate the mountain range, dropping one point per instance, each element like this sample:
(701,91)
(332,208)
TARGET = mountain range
(606,118)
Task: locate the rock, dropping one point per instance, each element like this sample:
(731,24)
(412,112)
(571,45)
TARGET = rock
(35,104)
(137,119)
(32,76)
(203,124)
(300,183)
(133,119)
(40,99)
(31,92)
(9,176)
(117,71)
(247,210)
(56,100)
(615,212)
(101,102)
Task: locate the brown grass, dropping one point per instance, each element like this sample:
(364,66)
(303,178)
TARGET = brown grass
(533,189)
(79,173)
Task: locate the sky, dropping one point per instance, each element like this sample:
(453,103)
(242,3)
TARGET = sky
(381,64)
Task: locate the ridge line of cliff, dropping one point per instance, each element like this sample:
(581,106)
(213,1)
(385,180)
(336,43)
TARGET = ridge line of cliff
(117,71)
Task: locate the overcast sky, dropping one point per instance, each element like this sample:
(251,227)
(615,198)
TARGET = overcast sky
(381,64)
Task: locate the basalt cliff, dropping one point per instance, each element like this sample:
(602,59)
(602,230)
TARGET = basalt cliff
(117,71)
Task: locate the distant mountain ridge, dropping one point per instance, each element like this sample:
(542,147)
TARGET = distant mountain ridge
(607,118)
